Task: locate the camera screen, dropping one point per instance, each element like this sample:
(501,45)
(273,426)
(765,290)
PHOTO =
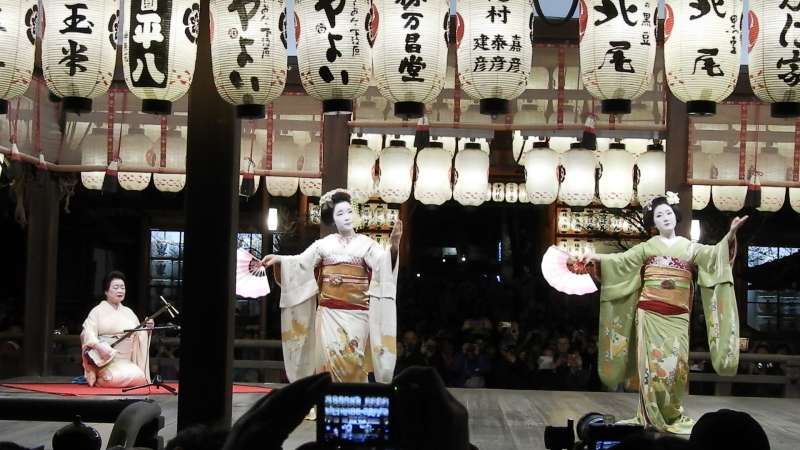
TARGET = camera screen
(605,445)
(358,418)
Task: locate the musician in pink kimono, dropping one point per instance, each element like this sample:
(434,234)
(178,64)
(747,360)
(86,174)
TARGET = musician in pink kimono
(344,321)
(130,364)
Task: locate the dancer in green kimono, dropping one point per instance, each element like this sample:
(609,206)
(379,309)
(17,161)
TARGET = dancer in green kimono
(645,304)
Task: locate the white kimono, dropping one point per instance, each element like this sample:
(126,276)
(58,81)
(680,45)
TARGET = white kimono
(351,308)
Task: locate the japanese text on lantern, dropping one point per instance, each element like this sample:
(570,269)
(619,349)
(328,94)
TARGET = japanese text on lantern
(74,25)
(332,53)
(497,16)
(713,10)
(790,63)
(149,43)
(247,10)
(622,14)
(412,64)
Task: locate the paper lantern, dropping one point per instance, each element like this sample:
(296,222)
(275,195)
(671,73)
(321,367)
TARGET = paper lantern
(498,192)
(17,45)
(652,173)
(397,165)
(77,56)
(333,53)
(360,166)
(577,188)
(175,159)
(311,187)
(701,51)
(285,156)
(701,169)
(794,199)
(248,53)
(616,181)
(159,46)
(252,144)
(494,62)
(725,166)
(773,167)
(94,152)
(136,150)
(617,50)
(511,192)
(541,174)
(409,52)
(433,175)
(774,55)
(472,175)
(522,193)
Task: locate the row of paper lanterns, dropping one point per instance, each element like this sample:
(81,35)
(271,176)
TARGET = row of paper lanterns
(401,44)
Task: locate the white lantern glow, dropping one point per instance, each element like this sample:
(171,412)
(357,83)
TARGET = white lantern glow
(579,164)
(616,180)
(652,173)
(285,156)
(773,56)
(17,45)
(159,46)
(701,169)
(511,192)
(495,61)
(397,165)
(773,167)
(333,52)
(794,199)
(311,187)
(136,150)
(472,176)
(725,166)
(94,152)
(541,174)
(176,159)
(77,56)
(409,53)
(360,166)
(498,192)
(617,51)
(433,175)
(248,54)
(701,51)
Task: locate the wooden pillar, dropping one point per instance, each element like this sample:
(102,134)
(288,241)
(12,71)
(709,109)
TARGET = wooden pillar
(212,219)
(336,140)
(677,160)
(40,273)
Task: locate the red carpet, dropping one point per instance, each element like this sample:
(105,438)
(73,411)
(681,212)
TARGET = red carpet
(83,389)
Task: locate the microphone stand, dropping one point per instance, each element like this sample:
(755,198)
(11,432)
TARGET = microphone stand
(157,382)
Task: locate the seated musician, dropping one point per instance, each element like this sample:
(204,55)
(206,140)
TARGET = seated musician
(130,365)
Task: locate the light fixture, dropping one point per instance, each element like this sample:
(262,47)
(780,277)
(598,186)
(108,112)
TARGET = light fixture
(472,176)
(616,181)
(94,152)
(541,174)
(725,166)
(694,233)
(175,158)
(272,219)
(285,156)
(773,167)
(311,187)
(135,150)
(434,164)
(360,167)
(18,22)
(577,187)
(396,164)
(701,168)
(652,173)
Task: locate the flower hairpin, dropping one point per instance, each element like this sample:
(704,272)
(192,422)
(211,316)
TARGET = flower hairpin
(672,198)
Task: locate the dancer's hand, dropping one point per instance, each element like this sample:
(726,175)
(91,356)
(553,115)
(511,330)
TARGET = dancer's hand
(397,234)
(737,223)
(270,260)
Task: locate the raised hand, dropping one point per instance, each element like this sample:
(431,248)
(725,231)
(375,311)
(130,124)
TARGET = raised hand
(397,234)
(270,260)
(737,223)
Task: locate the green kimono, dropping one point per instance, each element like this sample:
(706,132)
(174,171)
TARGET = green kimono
(645,305)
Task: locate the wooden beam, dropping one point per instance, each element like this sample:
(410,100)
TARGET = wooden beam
(336,140)
(212,219)
(677,160)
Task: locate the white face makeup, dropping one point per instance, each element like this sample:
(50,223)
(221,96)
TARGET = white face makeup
(116,292)
(343,217)
(664,219)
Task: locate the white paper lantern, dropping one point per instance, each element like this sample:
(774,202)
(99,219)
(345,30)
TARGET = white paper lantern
(577,188)
(541,174)
(397,165)
(311,187)
(254,143)
(773,167)
(701,169)
(616,181)
(494,61)
(176,159)
(725,166)
(77,56)
(159,46)
(285,156)
(333,52)
(472,176)
(360,167)
(94,152)
(136,150)
(433,175)
(498,192)
(511,192)
(409,53)
(248,53)
(794,199)
(652,173)
(617,51)
(702,51)
(17,44)
(774,51)
(522,193)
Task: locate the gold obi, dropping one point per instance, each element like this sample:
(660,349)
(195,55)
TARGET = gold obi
(344,286)
(671,286)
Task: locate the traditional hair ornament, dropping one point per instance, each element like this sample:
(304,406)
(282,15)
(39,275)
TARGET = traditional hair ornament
(671,198)
(327,198)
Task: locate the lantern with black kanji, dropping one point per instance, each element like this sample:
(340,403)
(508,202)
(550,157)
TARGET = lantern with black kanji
(617,50)
(774,48)
(333,52)
(248,53)
(78,57)
(409,52)
(159,49)
(17,45)
(702,51)
(494,51)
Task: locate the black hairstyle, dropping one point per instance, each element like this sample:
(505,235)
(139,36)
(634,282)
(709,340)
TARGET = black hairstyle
(651,207)
(111,276)
(326,209)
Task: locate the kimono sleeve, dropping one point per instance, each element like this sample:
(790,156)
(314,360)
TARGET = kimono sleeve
(382,311)
(298,283)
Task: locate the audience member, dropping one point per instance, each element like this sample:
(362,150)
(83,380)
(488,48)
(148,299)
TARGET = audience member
(727,429)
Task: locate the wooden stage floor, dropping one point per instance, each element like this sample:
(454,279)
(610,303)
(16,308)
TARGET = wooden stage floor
(499,419)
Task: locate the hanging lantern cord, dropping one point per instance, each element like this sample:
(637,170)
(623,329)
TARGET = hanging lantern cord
(566,19)
(522,150)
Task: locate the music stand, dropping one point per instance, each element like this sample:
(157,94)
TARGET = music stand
(157,382)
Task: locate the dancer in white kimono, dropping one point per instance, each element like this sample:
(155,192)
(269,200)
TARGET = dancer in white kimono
(130,365)
(344,321)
